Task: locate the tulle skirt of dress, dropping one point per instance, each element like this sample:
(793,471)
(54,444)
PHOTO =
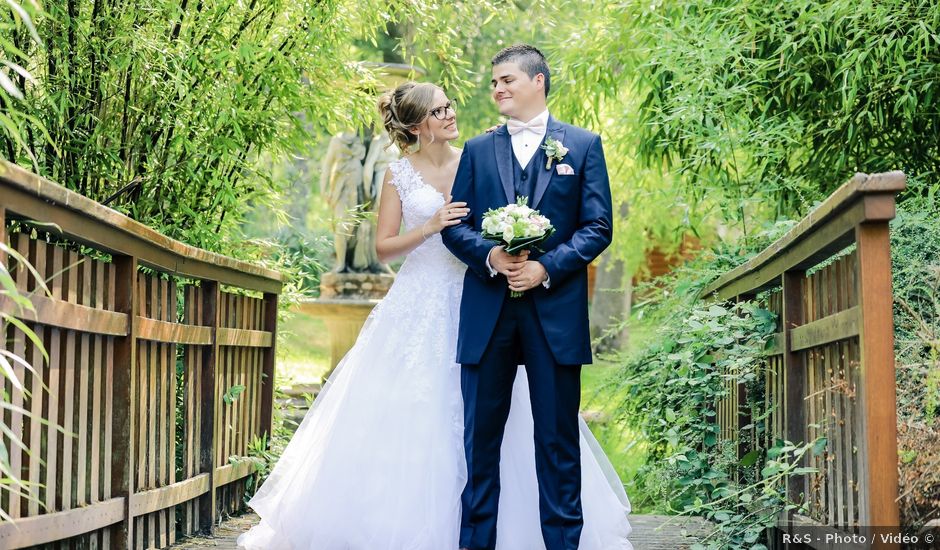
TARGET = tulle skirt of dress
(378,461)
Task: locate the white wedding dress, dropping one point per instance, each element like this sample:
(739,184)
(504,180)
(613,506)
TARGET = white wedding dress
(378,461)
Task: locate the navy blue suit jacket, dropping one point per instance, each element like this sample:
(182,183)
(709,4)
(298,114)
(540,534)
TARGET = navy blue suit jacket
(578,206)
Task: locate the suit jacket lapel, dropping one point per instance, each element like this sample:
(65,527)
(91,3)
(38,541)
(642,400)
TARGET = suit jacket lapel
(504,162)
(555,131)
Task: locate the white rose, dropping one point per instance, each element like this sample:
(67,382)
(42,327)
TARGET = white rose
(507,234)
(489,225)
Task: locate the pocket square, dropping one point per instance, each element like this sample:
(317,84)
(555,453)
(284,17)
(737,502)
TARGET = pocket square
(564,170)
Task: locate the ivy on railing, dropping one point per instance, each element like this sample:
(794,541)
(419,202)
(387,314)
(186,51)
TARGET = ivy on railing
(673,386)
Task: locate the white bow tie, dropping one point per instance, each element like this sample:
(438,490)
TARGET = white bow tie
(535,126)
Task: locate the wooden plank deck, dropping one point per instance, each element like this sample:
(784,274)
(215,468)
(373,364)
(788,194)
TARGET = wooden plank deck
(650,532)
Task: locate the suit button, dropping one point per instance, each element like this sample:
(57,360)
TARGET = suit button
(525,176)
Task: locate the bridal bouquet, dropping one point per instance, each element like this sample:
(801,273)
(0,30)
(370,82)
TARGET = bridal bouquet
(517,227)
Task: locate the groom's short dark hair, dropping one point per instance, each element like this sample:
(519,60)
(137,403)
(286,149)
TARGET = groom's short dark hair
(529,59)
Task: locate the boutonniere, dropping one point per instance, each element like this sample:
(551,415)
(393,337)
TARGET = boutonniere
(554,149)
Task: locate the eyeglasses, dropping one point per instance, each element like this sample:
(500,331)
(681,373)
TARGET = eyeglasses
(440,113)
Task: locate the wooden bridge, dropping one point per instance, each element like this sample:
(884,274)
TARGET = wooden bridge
(650,532)
(150,342)
(832,371)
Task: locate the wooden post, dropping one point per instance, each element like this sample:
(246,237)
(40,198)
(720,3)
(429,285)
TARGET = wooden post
(122,418)
(267,377)
(208,399)
(794,370)
(877,394)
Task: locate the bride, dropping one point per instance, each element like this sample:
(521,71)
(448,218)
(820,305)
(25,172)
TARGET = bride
(378,461)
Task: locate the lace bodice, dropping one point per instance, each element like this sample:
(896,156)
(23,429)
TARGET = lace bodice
(420,201)
(425,296)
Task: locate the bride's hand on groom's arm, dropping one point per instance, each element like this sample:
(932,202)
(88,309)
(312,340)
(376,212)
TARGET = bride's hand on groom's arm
(448,215)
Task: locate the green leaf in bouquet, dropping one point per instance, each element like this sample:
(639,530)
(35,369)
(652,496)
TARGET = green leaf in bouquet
(518,245)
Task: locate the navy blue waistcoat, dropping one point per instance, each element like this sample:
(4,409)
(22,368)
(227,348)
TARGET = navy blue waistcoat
(524,178)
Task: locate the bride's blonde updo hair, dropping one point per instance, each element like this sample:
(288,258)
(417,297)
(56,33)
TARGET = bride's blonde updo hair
(404,108)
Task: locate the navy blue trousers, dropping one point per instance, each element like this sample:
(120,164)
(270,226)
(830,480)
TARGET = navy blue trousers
(555,393)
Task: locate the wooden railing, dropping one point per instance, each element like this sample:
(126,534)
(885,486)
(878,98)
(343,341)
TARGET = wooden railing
(139,363)
(831,371)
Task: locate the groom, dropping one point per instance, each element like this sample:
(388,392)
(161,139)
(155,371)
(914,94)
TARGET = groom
(547,328)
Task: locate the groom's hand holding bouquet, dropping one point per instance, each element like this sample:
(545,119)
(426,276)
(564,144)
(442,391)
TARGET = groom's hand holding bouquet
(518,229)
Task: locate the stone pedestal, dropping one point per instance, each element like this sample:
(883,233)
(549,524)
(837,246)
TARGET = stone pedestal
(360,286)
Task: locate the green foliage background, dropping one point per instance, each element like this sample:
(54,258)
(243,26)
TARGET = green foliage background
(721,119)
(163,111)
(915,251)
(783,102)
(731,114)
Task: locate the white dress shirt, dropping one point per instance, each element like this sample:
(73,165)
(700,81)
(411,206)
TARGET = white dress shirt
(524,146)
(527,142)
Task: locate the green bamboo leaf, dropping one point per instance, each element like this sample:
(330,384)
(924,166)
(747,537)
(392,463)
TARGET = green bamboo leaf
(9,86)
(17,359)
(13,437)
(10,290)
(21,410)
(8,474)
(19,70)
(232,393)
(6,370)
(29,334)
(13,133)
(26,19)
